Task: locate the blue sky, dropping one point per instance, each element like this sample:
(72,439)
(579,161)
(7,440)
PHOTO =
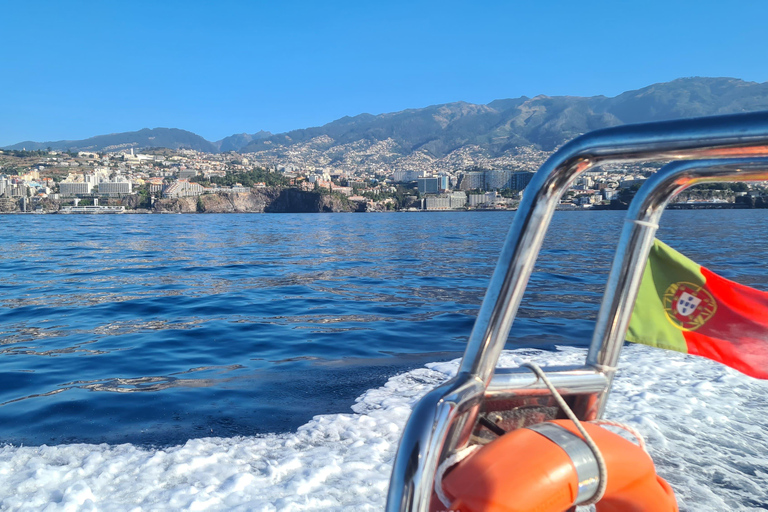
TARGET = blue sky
(74,69)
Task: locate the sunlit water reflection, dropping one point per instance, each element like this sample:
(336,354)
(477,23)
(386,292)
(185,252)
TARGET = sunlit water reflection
(156,329)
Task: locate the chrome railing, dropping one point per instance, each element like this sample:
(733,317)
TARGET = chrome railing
(443,420)
(635,243)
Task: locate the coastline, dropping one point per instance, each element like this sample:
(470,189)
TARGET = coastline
(294,200)
(673,206)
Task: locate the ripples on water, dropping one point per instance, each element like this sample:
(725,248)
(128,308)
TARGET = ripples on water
(154,329)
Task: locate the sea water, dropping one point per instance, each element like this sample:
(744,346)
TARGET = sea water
(268,362)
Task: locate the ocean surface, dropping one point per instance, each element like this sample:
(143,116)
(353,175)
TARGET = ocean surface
(194,338)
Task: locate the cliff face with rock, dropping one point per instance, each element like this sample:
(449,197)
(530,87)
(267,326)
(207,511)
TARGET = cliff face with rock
(8,205)
(292,200)
(269,200)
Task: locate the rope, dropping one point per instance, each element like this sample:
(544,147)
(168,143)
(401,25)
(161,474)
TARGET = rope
(447,463)
(602,472)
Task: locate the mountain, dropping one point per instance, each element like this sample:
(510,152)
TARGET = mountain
(457,133)
(542,121)
(172,138)
(239,140)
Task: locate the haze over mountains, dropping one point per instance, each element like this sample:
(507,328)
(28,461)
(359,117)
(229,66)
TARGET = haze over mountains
(436,131)
(172,138)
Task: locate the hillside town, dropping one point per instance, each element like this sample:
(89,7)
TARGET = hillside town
(160,180)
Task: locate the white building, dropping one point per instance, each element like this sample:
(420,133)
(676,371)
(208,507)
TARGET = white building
(92,179)
(487,198)
(453,201)
(119,187)
(319,176)
(406,176)
(71,189)
(458,199)
(438,203)
(182,188)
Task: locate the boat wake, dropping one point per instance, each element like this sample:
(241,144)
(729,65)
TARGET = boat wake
(706,426)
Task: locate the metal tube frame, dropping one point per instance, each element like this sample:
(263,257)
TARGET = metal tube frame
(635,243)
(442,421)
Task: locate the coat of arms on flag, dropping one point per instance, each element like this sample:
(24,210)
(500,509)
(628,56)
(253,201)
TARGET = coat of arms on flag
(687,303)
(686,307)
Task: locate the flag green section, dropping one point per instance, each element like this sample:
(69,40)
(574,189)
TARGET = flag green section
(650,324)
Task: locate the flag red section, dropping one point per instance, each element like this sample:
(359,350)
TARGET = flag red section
(737,334)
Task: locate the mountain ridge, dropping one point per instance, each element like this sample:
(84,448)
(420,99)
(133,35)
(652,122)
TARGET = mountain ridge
(172,138)
(494,128)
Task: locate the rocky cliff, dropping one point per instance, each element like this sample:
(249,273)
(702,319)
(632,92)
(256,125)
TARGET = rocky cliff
(270,200)
(292,200)
(8,205)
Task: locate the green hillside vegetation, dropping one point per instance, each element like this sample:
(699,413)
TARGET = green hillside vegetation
(246,179)
(21,153)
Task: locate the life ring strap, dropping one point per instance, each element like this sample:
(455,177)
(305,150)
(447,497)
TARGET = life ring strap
(581,455)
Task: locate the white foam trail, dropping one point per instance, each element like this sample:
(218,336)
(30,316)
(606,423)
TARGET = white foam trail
(706,426)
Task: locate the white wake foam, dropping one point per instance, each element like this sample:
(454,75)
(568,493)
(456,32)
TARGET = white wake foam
(706,426)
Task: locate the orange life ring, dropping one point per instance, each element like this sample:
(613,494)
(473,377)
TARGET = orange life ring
(525,471)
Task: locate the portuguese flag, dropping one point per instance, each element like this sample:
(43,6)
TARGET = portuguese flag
(685,307)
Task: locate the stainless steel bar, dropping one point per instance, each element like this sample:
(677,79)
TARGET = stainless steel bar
(635,244)
(741,135)
(515,382)
(714,137)
(419,451)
